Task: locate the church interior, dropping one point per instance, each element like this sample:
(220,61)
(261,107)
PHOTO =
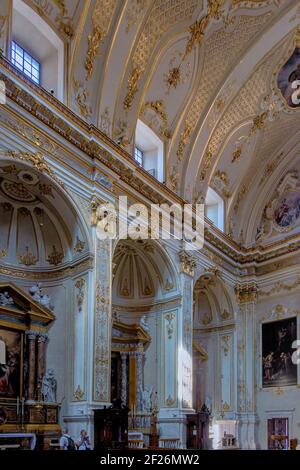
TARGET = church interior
(141,341)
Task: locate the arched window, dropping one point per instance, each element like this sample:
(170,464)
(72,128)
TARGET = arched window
(36,49)
(149,151)
(214,208)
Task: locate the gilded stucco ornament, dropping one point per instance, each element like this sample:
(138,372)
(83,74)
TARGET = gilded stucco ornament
(80,286)
(221,183)
(28,258)
(81,98)
(38,161)
(55,257)
(246,292)
(132,87)
(102,16)
(156,109)
(78,394)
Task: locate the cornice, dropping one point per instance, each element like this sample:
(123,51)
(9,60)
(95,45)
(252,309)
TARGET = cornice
(100,148)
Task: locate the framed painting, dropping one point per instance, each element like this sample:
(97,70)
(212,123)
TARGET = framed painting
(11,363)
(278,369)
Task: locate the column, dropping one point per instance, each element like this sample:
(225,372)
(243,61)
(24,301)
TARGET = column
(124,377)
(139,379)
(41,363)
(177,358)
(246,408)
(31,338)
(102,321)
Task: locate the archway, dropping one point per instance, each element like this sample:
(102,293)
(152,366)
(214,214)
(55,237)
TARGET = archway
(144,284)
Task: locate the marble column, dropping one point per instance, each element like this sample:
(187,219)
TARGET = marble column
(41,363)
(139,378)
(31,339)
(124,378)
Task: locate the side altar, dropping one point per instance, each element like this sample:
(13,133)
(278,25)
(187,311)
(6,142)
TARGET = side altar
(27,388)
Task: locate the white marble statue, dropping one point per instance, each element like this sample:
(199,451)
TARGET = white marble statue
(5,299)
(49,386)
(146,399)
(37,295)
(144,323)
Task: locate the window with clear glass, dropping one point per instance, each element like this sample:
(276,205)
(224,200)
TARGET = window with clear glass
(24,62)
(138,156)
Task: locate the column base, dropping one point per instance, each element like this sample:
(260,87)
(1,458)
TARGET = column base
(247,430)
(172,423)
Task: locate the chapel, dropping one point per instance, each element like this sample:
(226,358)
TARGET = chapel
(150,223)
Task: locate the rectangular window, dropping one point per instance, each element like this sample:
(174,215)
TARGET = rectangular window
(24,62)
(138,156)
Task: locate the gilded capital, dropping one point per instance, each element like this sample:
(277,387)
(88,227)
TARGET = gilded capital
(246,292)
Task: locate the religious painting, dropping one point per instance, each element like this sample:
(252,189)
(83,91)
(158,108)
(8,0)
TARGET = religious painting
(10,363)
(287,211)
(289,80)
(277,367)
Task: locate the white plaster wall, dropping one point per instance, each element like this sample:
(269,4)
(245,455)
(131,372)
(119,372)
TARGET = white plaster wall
(270,404)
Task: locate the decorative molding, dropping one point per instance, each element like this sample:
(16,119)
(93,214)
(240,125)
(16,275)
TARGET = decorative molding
(279,287)
(246,293)
(132,87)
(79,394)
(79,245)
(187,263)
(81,98)
(38,161)
(80,286)
(28,258)
(55,257)
(170,327)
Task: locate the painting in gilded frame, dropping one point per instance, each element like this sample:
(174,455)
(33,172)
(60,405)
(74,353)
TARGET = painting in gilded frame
(11,348)
(278,369)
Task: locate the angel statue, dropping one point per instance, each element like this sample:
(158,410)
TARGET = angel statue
(146,399)
(49,386)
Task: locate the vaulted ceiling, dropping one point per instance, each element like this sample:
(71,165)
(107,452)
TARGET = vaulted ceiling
(203,75)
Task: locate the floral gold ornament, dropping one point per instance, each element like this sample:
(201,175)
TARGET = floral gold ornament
(236,154)
(55,257)
(28,258)
(206,166)
(102,16)
(184,137)
(196,35)
(78,394)
(94,41)
(132,87)
(63,20)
